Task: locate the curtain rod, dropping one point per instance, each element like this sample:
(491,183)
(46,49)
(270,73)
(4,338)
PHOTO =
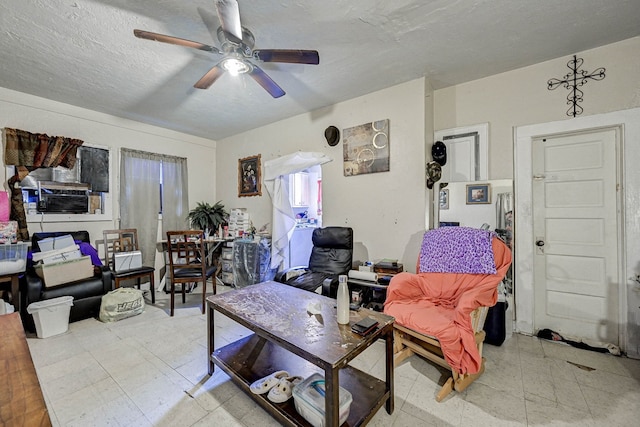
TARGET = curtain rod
(148,153)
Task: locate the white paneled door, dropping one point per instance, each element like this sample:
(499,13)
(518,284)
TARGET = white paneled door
(575,226)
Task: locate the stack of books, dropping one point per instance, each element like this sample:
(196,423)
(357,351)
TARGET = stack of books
(388,267)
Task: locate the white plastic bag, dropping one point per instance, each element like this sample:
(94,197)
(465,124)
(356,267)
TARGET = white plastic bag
(120,304)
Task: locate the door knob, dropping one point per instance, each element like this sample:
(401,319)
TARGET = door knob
(539,243)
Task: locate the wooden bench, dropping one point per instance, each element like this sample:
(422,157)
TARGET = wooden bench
(21,399)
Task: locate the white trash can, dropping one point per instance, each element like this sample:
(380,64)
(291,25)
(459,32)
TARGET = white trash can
(51,316)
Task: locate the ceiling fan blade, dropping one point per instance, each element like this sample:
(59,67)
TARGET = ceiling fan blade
(229,15)
(266,82)
(208,79)
(291,56)
(174,40)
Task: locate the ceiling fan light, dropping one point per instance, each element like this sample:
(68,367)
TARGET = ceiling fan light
(235,66)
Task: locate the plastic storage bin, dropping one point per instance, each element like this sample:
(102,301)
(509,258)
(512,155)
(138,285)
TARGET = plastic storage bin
(309,401)
(51,316)
(13,258)
(251,262)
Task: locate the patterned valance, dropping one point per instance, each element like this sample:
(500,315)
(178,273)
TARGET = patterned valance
(35,150)
(28,151)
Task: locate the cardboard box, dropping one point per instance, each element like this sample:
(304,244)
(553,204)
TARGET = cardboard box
(63,256)
(65,272)
(127,260)
(53,243)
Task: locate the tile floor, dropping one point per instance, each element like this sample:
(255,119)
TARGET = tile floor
(152,370)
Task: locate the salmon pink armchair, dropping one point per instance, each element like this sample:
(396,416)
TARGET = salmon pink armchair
(440,310)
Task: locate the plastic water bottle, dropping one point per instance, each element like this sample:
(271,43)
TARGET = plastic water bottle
(343,300)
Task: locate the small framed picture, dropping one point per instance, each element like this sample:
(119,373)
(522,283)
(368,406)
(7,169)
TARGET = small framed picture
(478,194)
(444,199)
(249,177)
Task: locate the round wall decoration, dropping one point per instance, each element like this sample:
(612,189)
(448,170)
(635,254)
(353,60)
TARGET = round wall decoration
(332,135)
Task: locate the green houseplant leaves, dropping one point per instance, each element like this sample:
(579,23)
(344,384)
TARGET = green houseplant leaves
(208,217)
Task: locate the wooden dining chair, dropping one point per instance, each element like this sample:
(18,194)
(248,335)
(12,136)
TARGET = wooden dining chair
(126,240)
(188,262)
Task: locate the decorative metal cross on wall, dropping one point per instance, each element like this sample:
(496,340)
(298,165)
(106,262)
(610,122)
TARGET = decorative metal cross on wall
(573,81)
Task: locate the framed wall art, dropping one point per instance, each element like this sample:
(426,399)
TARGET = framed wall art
(478,194)
(249,177)
(366,148)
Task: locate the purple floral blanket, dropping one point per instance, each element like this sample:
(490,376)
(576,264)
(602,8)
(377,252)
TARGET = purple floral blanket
(457,250)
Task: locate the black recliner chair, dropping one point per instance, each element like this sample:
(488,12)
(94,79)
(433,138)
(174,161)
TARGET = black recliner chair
(87,293)
(331,256)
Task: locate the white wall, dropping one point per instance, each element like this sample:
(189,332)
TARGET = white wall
(39,115)
(387,209)
(521,97)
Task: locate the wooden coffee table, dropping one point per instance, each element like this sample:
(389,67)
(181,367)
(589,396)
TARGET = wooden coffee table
(21,399)
(287,337)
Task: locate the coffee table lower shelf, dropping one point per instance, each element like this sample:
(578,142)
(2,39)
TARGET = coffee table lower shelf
(253,357)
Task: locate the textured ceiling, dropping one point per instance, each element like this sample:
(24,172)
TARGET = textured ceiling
(83,52)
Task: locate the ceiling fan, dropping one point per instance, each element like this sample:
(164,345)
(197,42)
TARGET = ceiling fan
(237,50)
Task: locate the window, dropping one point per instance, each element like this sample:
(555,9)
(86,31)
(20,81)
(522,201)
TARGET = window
(60,194)
(152,183)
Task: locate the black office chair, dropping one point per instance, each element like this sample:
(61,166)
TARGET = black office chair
(331,256)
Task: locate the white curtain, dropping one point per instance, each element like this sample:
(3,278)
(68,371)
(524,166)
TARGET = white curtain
(175,201)
(140,196)
(275,181)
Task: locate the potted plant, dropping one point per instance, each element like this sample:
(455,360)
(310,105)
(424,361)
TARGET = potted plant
(208,217)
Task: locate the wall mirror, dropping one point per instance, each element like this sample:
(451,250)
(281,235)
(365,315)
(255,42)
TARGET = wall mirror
(462,204)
